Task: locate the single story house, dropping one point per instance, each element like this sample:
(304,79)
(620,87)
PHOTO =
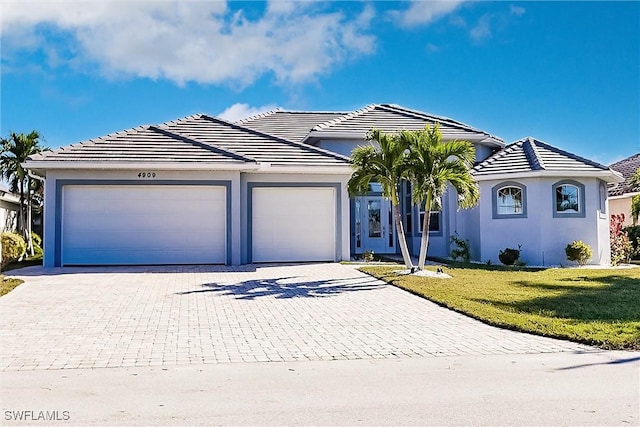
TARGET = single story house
(621,193)
(9,207)
(272,188)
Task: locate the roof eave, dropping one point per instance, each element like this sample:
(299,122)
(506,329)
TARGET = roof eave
(43,165)
(357,135)
(306,169)
(625,195)
(605,175)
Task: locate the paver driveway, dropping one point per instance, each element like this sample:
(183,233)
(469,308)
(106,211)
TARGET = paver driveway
(150,316)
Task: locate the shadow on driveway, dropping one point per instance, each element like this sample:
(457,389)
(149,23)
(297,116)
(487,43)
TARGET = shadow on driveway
(287,287)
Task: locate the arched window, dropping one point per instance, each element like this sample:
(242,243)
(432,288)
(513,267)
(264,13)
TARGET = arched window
(568,199)
(509,200)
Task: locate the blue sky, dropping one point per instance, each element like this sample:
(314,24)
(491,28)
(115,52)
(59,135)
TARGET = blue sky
(567,73)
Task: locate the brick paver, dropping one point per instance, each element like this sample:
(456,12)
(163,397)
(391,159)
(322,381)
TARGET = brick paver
(152,316)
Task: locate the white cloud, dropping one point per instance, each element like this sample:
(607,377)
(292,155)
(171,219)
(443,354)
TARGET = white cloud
(241,111)
(188,41)
(482,30)
(517,10)
(423,12)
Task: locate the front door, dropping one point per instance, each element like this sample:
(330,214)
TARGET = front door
(374,225)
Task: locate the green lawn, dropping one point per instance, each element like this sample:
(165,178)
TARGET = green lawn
(594,306)
(8,284)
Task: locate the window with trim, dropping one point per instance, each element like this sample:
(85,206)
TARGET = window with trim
(408,208)
(509,200)
(568,199)
(434,220)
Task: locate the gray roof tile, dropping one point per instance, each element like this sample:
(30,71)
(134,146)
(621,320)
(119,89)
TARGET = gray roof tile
(529,155)
(197,138)
(627,167)
(302,125)
(394,118)
(291,125)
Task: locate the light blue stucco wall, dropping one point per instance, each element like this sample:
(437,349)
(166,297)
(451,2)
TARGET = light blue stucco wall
(543,237)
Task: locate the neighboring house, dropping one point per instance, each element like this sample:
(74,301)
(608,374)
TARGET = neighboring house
(272,188)
(621,193)
(9,206)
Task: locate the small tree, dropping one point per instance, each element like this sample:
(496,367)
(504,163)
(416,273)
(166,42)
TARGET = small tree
(434,165)
(621,248)
(15,151)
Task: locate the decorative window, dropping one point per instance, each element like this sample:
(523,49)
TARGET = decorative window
(509,200)
(568,199)
(603,199)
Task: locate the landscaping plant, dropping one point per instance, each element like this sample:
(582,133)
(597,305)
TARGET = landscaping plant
(509,256)
(13,247)
(633,233)
(579,252)
(620,245)
(461,249)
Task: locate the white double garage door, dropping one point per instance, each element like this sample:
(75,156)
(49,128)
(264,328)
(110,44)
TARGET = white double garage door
(191,224)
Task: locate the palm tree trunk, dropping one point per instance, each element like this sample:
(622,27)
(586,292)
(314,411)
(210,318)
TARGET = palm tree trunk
(424,240)
(402,240)
(29,239)
(21,219)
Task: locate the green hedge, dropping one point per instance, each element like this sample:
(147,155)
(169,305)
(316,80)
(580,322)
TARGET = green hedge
(634,235)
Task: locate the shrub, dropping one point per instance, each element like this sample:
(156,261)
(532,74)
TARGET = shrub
(13,247)
(37,244)
(509,256)
(620,245)
(634,237)
(367,256)
(578,251)
(461,249)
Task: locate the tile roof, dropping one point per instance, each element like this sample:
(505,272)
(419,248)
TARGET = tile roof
(198,138)
(291,125)
(304,126)
(531,155)
(627,167)
(393,118)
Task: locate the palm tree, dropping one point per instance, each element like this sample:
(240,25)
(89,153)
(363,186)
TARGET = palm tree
(433,166)
(15,151)
(385,164)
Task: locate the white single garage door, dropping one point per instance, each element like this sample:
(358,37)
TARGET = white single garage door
(152,224)
(293,224)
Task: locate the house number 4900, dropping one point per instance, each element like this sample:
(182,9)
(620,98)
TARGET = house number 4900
(146,174)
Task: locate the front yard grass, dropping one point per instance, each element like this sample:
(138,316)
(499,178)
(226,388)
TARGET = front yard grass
(600,307)
(7,284)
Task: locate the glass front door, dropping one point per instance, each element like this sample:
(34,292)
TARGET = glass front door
(374,225)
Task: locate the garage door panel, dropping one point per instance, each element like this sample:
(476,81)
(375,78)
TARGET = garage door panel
(293,224)
(144,225)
